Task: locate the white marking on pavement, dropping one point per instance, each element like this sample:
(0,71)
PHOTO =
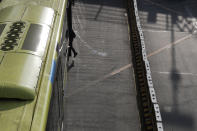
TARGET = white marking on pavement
(89,47)
(191,74)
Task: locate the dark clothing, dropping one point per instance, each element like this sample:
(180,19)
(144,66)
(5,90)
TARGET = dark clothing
(71,49)
(70,33)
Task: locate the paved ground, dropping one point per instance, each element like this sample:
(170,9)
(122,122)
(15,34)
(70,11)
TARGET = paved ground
(100,95)
(169,28)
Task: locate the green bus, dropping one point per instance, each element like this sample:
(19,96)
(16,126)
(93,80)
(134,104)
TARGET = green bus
(33,43)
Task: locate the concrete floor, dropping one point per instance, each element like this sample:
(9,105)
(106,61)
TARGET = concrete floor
(169,28)
(100,93)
